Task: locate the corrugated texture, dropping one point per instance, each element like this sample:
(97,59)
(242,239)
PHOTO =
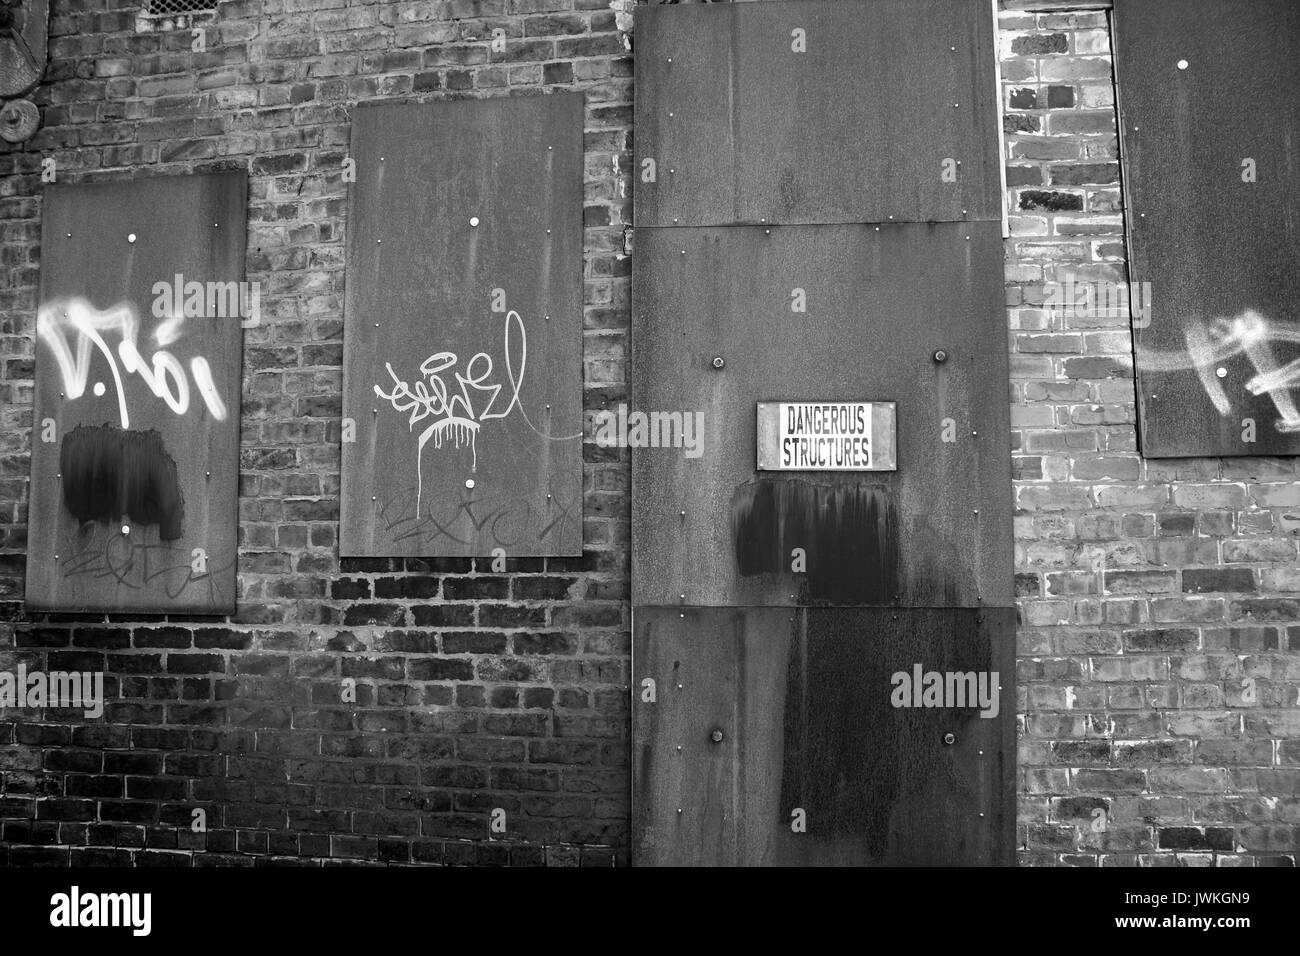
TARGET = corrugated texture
(464,308)
(857,128)
(136,509)
(1219,252)
(804,703)
(880,303)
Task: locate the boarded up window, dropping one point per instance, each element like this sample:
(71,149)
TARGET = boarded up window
(462,371)
(135,450)
(818,224)
(1210,125)
(816,112)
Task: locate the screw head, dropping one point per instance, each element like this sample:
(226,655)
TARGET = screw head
(718,362)
(940,356)
(1221,372)
(949,739)
(131,237)
(473,220)
(717,735)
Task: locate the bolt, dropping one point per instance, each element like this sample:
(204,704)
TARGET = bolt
(949,739)
(940,356)
(718,362)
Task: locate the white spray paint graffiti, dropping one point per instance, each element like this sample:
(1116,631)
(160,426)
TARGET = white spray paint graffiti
(1249,334)
(163,374)
(458,416)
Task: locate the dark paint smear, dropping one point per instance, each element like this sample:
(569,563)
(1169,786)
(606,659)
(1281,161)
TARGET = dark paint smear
(109,473)
(848,532)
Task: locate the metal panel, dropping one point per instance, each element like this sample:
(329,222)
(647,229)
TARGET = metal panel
(135,452)
(465,267)
(887,97)
(709,530)
(804,702)
(1220,344)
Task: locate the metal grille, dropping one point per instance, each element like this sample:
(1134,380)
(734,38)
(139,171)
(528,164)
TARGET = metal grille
(172,8)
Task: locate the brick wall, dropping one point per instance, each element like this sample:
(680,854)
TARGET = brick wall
(1152,593)
(1148,590)
(476,691)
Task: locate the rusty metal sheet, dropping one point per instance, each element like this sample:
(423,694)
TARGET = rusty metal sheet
(759,713)
(135,445)
(708,529)
(888,112)
(463,336)
(1218,352)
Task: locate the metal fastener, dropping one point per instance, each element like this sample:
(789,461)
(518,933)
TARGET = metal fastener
(718,362)
(949,739)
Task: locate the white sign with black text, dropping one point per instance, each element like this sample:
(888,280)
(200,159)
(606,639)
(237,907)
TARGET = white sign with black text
(826,436)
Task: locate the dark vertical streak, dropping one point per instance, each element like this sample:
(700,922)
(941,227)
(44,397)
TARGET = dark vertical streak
(848,532)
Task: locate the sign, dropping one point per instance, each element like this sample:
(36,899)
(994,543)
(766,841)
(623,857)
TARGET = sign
(826,436)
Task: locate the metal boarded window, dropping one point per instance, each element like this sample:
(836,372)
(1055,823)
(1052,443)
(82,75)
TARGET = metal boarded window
(798,241)
(759,129)
(1210,122)
(135,451)
(463,338)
